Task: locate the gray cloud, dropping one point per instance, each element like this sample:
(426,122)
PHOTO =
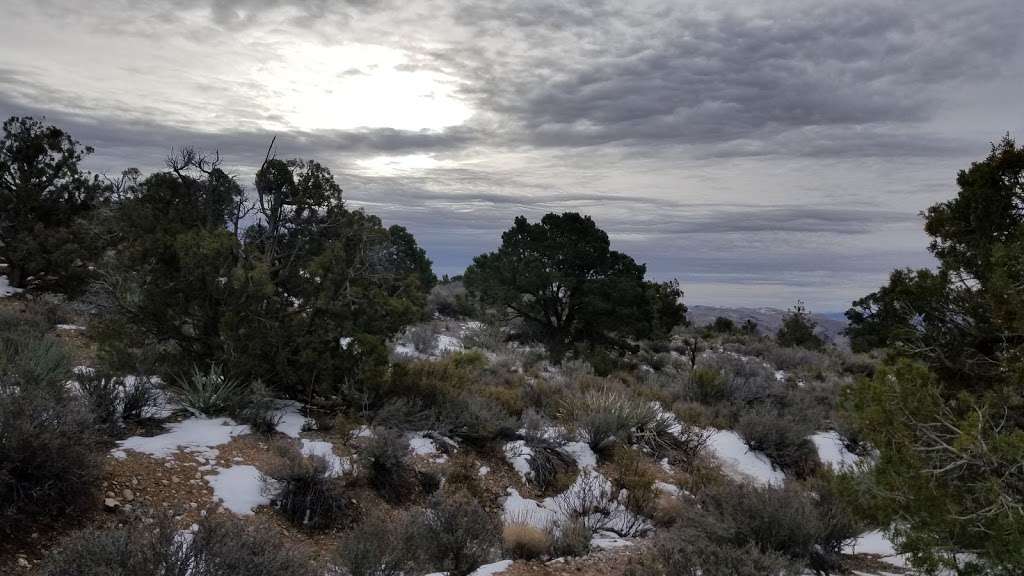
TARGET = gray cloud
(756,151)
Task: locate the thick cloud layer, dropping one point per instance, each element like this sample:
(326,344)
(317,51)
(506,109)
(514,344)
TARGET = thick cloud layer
(760,152)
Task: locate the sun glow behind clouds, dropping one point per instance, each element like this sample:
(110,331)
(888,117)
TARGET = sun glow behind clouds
(313,87)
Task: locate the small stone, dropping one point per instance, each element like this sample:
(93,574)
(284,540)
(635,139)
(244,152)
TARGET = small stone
(128,494)
(110,494)
(23,563)
(175,479)
(111,504)
(135,481)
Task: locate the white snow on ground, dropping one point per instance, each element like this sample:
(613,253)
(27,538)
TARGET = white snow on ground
(345,341)
(195,435)
(420,445)
(877,544)
(526,511)
(337,465)
(69,327)
(291,419)
(492,569)
(446,344)
(740,462)
(518,454)
(240,488)
(291,423)
(832,452)
(361,432)
(608,541)
(666,488)
(581,453)
(6,289)
(780,375)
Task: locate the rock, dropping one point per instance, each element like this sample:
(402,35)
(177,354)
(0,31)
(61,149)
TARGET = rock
(23,563)
(110,495)
(128,494)
(111,504)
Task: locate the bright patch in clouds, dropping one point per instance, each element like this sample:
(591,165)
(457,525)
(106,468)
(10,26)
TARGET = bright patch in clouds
(397,165)
(315,87)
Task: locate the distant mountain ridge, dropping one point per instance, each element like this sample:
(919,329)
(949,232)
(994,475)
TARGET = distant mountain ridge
(768,319)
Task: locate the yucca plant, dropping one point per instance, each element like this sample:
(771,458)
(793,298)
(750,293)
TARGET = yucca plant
(208,393)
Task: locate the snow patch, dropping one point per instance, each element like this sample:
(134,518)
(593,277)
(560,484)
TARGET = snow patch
(69,327)
(581,453)
(291,421)
(518,454)
(336,466)
(742,463)
(6,289)
(240,488)
(420,445)
(492,569)
(878,544)
(194,435)
(832,452)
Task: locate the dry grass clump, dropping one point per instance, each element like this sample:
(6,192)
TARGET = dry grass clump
(523,541)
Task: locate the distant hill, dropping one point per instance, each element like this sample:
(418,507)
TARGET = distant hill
(768,320)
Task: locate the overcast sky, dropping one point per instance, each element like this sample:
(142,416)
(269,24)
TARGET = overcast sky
(759,151)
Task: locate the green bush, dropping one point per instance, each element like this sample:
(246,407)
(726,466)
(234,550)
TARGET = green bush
(50,459)
(210,393)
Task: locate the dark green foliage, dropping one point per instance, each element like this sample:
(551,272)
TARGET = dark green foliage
(45,200)
(798,330)
(306,492)
(562,279)
(723,325)
(950,431)
(50,459)
(221,547)
(304,297)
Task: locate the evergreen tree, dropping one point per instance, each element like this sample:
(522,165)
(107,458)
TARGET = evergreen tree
(44,200)
(946,415)
(798,329)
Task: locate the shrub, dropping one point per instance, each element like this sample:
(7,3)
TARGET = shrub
(210,393)
(550,467)
(383,544)
(779,520)
(489,336)
(30,358)
(572,538)
(476,420)
(782,439)
(50,462)
(605,415)
(523,541)
(423,339)
(385,461)
(221,547)
(462,533)
(306,491)
(118,400)
(259,409)
(632,472)
(682,552)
